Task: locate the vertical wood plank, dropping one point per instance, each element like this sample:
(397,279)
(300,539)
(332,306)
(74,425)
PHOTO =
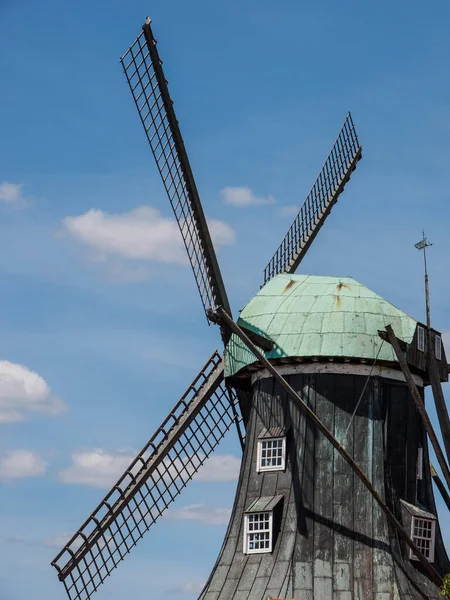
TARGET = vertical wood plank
(363,443)
(343,482)
(323,493)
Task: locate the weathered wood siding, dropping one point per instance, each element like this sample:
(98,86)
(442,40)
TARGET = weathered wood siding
(418,359)
(334,542)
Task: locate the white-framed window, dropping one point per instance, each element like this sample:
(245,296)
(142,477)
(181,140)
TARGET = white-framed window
(420,338)
(423,532)
(258,532)
(420,463)
(271,454)
(438,347)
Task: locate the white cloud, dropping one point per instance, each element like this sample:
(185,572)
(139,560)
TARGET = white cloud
(221,233)
(11,193)
(99,468)
(220,467)
(23,390)
(59,541)
(243,196)
(96,468)
(288,211)
(201,513)
(141,234)
(20,464)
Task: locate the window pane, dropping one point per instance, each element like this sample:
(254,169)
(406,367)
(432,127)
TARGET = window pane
(272,453)
(423,536)
(420,338)
(258,532)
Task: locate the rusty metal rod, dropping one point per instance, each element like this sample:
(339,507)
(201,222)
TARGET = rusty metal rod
(419,403)
(226,320)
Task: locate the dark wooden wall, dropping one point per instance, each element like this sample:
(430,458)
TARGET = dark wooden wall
(334,542)
(418,359)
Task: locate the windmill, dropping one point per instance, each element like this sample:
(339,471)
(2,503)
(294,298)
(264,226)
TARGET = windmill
(323,381)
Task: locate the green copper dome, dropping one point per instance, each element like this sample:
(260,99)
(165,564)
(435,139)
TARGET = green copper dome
(314,316)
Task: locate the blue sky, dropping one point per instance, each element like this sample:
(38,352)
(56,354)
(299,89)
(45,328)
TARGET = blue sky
(261,90)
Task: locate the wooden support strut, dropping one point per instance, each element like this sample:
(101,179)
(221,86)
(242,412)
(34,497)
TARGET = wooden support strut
(440,486)
(419,403)
(439,399)
(227,321)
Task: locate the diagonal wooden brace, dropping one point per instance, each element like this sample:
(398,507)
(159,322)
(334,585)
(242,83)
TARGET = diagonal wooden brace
(419,403)
(227,321)
(439,399)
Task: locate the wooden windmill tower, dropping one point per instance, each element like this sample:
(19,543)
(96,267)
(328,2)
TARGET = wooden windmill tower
(324,382)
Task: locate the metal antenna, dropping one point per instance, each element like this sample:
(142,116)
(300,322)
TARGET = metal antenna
(422,245)
(432,368)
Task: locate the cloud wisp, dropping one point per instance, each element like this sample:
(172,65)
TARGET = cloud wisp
(95,468)
(201,513)
(59,541)
(11,193)
(244,196)
(141,234)
(99,468)
(219,467)
(288,211)
(23,391)
(21,464)
(190,587)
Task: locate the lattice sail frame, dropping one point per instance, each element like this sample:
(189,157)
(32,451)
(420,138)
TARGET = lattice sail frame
(335,173)
(148,85)
(157,475)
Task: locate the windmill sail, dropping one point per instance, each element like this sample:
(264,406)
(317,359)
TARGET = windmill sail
(143,69)
(335,173)
(157,475)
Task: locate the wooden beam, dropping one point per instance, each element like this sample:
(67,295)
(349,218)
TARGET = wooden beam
(440,486)
(258,339)
(228,322)
(439,399)
(384,336)
(197,238)
(419,403)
